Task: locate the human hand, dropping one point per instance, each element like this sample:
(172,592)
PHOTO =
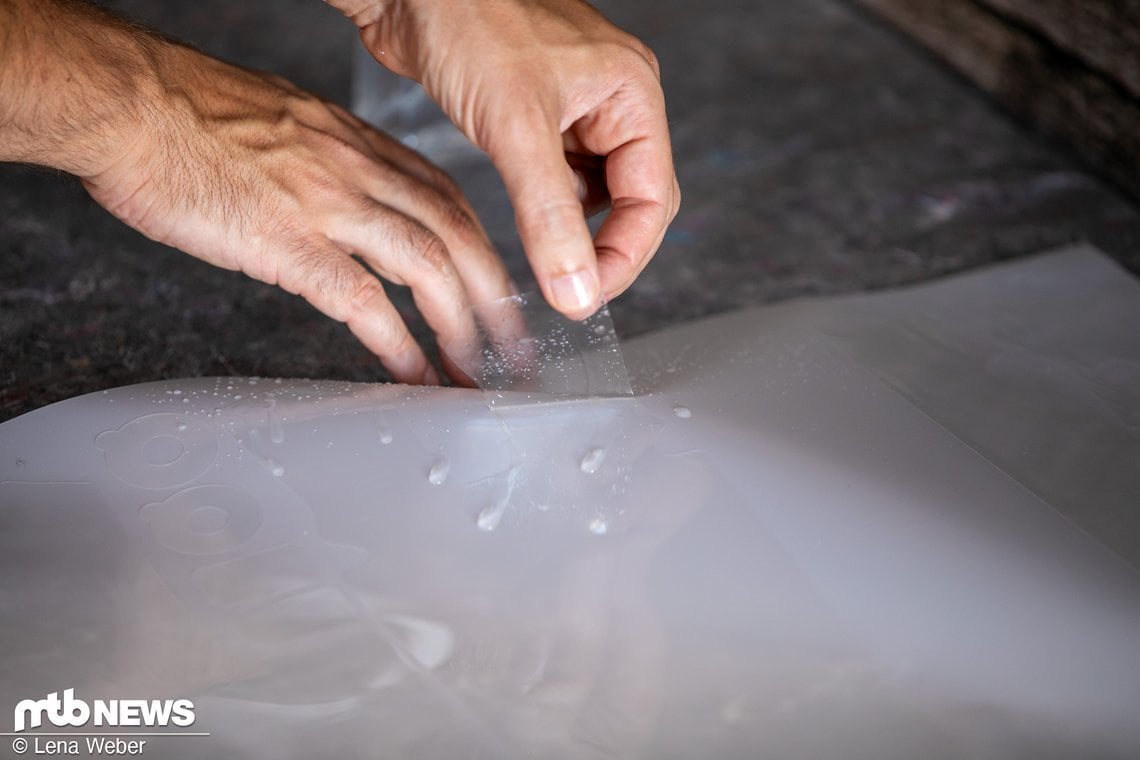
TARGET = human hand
(538,85)
(247,172)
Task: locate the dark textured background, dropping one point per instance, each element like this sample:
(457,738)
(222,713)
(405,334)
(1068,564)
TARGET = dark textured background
(818,153)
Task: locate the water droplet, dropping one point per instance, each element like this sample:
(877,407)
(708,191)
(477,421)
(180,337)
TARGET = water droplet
(683,412)
(182,427)
(598,526)
(491,515)
(276,430)
(438,472)
(592,461)
(386,437)
(275,468)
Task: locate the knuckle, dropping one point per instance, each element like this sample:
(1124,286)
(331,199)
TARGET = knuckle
(364,293)
(426,252)
(552,218)
(632,53)
(391,338)
(335,285)
(302,270)
(651,57)
(459,222)
(444,181)
(398,341)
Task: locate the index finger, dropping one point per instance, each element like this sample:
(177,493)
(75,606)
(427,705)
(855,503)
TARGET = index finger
(645,197)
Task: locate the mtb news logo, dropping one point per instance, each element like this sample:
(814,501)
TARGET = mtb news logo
(114,713)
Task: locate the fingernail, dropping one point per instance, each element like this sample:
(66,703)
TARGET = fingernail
(575,292)
(431,377)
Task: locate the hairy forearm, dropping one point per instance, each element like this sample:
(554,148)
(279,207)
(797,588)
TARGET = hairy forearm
(73,81)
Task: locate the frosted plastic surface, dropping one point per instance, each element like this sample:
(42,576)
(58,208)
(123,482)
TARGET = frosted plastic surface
(888,526)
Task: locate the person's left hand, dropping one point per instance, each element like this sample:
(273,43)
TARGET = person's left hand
(248,172)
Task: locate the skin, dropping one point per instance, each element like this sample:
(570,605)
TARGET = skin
(246,171)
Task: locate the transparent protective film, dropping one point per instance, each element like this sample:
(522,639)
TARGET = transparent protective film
(560,393)
(524,345)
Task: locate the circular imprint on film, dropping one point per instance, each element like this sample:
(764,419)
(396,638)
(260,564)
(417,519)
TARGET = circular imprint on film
(159,450)
(204,520)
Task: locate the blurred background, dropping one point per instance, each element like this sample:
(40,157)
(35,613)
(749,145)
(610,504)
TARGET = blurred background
(823,146)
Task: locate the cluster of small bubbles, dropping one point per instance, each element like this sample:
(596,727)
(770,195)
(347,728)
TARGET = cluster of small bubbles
(592,461)
(491,515)
(438,472)
(683,412)
(598,526)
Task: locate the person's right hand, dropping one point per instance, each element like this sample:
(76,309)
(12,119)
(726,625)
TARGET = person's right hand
(541,85)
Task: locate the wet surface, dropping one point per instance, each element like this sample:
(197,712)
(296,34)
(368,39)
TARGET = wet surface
(818,153)
(888,526)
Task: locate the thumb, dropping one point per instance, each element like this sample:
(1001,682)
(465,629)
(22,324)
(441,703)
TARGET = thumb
(545,194)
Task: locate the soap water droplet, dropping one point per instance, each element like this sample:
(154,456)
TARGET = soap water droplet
(598,526)
(683,412)
(592,461)
(276,429)
(438,472)
(491,515)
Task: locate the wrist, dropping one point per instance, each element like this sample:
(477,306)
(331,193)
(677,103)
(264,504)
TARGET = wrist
(73,84)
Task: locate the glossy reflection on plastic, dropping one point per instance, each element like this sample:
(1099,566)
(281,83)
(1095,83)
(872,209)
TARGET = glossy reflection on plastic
(888,526)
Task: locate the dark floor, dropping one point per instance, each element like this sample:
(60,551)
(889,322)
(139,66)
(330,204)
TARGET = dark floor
(818,153)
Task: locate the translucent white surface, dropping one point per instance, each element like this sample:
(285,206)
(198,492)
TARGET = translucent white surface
(887,526)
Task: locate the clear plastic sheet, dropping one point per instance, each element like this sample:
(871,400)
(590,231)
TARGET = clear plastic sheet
(525,346)
(555,386)
(885,526)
